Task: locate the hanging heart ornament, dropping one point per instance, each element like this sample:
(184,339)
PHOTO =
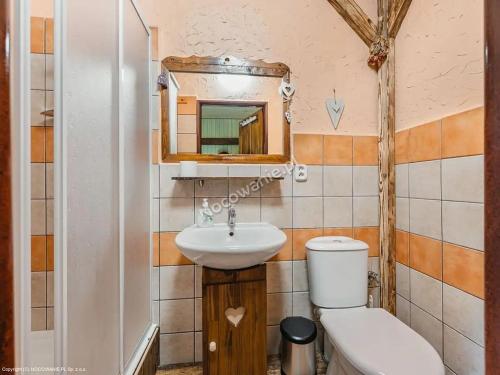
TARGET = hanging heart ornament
(235,315)
(286,90)
(335,108)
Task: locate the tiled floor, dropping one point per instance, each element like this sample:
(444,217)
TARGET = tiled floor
(273,368)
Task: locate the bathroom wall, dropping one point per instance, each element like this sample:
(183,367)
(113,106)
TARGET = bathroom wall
(42,193)
(439,61)
(309,36)
(439,238)
(340,197)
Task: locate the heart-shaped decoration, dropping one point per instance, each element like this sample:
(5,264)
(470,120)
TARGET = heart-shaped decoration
(235,315)
(287,89)
(335,108)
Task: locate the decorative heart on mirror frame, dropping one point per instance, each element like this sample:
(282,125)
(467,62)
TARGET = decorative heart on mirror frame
(235,315)
(335,108)
(286,89)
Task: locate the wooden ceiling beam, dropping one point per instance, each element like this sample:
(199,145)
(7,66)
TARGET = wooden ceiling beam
(357,19)
(399,8)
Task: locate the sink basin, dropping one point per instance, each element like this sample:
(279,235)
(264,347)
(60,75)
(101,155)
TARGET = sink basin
(251,244)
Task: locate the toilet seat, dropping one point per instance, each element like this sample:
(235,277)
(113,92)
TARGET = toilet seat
(375,342)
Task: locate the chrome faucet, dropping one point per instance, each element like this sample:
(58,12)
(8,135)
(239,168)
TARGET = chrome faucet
(231,219)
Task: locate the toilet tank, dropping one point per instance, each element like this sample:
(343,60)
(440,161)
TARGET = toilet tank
(338,272)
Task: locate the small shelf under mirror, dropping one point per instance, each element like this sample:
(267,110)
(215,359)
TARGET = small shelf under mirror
(198,178)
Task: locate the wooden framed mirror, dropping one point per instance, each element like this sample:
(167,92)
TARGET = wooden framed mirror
(224,109)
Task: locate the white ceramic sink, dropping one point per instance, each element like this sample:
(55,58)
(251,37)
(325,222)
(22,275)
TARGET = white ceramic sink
(251,244)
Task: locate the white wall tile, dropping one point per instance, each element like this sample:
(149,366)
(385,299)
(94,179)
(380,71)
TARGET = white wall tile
(313,186)
(177,315)
(213,170)
(428,326)
(38,222)
(279,277)
(403,280)
(49,104)
(277,188)
(307,212)
(244,188)
(273,340)
(170,188)
(37,107)
(403,214)
(464,312)
(402,189)
(425,217)
(198,347)
(37,180)
(49,72)
(463,224)
(156,312)
(197,281)
(461,354)
(176,282)
(279,306)
(50,288)
(337,181)
(425,179)
(365,211)
(49,180)
(278,211)
(155,180)
(244,170)
(38,289)
(248,210)
(337,212)
(302,305)
(300,276)
(155,284)
(427,293)
(212,188)
(186,124)
(463,179)
(38,319)
(198,314)
(365,181)
(37,71)
(403,309)
(50,216)
(155,220)
(155,72)
(176,213)
(176,348)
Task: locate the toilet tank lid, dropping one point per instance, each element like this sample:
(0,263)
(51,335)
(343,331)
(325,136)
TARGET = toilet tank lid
(335,243)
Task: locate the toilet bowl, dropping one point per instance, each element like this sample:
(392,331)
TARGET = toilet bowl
(360,340)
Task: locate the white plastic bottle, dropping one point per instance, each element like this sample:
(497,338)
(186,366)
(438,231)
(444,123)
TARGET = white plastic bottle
(205,215)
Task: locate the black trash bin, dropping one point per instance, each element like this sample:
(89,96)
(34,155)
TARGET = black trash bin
(297,346)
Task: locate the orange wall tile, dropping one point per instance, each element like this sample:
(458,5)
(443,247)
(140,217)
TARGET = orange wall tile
(37,35)
(337,150)
(308,148)
(426,255)
(187,105)
(49,144)
(425,142)
(154,42)
(300,237)
(463,268)
(156,249)
(49,36)
(37,144)
(401,146)
(402,247)
(370,235)
(347,232)
(463,134)
(50,253)
(286,252)
(169,253)
(365,150)
(38,253)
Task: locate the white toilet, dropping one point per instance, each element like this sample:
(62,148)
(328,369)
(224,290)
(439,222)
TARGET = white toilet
(360,340)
